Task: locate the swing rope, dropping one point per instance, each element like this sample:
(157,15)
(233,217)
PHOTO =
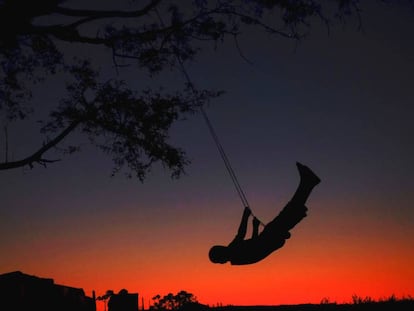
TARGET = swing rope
(220,148)
(225,160)
(215,137)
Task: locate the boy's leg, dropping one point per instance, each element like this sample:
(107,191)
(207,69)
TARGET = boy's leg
(308,180)
(295,210)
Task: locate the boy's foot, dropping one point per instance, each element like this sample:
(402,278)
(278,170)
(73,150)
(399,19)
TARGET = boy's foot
(307,175)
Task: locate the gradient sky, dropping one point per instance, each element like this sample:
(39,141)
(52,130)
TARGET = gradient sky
(340,103)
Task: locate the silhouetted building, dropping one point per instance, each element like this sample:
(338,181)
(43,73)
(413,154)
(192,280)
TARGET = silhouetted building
(19,291)
(123,301)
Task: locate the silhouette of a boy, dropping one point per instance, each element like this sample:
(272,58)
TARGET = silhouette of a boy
(243,251)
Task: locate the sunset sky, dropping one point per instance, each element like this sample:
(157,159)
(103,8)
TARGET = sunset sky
(341,103)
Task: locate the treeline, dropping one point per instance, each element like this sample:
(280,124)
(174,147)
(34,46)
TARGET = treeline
(366,304)
(184,301)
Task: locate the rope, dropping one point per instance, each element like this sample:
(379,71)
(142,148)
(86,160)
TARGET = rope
(225,160)
(216,140)
(229,168)
(220,148)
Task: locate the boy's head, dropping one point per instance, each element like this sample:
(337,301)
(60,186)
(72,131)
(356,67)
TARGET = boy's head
(218,254)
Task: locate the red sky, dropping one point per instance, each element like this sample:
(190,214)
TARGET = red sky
(327,257)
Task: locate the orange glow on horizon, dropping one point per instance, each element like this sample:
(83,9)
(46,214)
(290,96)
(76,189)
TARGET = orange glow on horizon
(327,257)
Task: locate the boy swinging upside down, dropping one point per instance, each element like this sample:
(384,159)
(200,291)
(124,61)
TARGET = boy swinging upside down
(243,251)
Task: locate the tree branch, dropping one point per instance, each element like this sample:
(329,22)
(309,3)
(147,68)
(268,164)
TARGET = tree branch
(97,14)
(37,156)
(68,34)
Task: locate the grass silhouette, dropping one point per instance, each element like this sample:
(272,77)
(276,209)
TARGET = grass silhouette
(391,303)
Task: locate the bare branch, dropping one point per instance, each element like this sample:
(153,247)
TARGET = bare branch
(241,52)
(37,156)
(270,29)
(68,34)
(98,14)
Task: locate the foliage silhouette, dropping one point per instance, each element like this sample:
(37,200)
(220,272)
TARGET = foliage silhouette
(362,304)
(132,126)
(173,302)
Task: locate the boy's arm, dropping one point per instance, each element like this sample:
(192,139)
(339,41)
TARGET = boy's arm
(241,233)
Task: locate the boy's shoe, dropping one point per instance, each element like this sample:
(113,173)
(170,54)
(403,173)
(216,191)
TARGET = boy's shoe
(307,175)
